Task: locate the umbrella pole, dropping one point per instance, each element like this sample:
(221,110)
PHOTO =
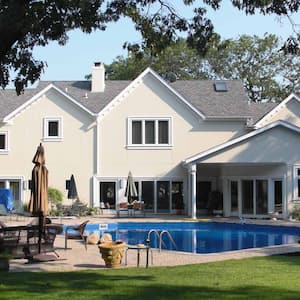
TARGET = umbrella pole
(41,228)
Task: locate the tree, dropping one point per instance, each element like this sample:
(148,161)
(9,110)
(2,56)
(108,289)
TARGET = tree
(25,24)
(257,61)
(266,72)
(177,60)
(281,8)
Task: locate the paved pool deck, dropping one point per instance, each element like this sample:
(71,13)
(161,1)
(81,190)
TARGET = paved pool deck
(78,258)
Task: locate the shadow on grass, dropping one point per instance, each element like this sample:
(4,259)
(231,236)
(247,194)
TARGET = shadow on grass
(117,284)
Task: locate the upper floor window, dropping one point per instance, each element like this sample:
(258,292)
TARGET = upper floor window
(149,132)
(53,129)
(3,141)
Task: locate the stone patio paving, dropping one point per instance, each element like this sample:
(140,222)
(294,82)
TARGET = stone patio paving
(77,258)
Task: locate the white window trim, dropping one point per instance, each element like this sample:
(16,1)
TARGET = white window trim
(295,181)
(149,146)
(6,149)
(48,138)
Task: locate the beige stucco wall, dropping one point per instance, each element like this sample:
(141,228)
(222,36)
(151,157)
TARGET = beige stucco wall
(290,112)
(191,134)
(73,155)
(277,145)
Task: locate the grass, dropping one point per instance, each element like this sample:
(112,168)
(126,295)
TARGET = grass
(274,277)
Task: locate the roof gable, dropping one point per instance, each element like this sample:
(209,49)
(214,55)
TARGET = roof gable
(36,97)
(272,113)
(134,84)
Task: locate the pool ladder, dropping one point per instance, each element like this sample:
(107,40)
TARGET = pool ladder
(159,235)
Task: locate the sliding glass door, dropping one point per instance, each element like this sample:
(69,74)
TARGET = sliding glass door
(108,194)
(278,196)
(234,203)
(254,197)
(163,196)
(247,197)
(261,197)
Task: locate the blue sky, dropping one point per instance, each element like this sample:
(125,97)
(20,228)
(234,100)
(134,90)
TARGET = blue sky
(73,61)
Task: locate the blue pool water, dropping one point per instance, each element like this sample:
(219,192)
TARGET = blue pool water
(201,237)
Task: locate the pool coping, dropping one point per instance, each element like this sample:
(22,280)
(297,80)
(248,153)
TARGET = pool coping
(80,259)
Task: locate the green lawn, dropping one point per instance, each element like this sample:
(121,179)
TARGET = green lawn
(274,277)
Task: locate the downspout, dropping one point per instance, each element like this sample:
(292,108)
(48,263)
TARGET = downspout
(97,169)
(96,166)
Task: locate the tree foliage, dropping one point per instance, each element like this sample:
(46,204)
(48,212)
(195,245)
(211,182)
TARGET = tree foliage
(25,24)
(267,73)
(177,60)
(257,61)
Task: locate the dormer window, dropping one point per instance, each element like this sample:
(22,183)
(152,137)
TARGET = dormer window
(220,86)
(149,132)
(53,129)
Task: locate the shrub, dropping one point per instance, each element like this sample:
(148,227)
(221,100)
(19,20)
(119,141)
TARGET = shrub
(296,212)
(55,196)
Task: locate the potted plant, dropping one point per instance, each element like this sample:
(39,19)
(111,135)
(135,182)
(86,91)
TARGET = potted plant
(112,253)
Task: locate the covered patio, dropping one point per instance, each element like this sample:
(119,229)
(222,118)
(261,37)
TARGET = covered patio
(257,174)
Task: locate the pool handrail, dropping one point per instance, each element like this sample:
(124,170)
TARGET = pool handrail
(169,236)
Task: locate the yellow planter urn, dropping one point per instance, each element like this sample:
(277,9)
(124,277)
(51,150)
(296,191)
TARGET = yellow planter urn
(112,253)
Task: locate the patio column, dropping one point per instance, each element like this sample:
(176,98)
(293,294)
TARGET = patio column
(7,185)
(193,173)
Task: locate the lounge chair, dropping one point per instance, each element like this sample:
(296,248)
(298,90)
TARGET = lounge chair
(75,232)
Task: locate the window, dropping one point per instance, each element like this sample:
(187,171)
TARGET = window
(3,142)
(149,132)
(52,129)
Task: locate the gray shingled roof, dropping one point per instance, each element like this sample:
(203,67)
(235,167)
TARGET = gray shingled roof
(95,102)
(200,93)
(232,103)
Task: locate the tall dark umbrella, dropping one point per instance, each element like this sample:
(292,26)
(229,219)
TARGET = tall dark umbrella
(72,191)
(38,204)
(130,191)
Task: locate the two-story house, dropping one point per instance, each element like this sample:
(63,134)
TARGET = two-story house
(182,139)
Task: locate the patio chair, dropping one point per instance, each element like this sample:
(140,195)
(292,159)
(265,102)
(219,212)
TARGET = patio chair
(76,232)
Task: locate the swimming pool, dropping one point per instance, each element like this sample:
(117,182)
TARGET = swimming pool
(200,237)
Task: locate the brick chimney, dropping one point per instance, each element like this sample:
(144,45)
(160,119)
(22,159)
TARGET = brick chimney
(98,77)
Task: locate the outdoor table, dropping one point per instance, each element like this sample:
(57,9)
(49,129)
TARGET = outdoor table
(138,248)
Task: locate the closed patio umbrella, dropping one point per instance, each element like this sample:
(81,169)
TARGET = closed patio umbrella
(72,190)
(130,191)
(38,204)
